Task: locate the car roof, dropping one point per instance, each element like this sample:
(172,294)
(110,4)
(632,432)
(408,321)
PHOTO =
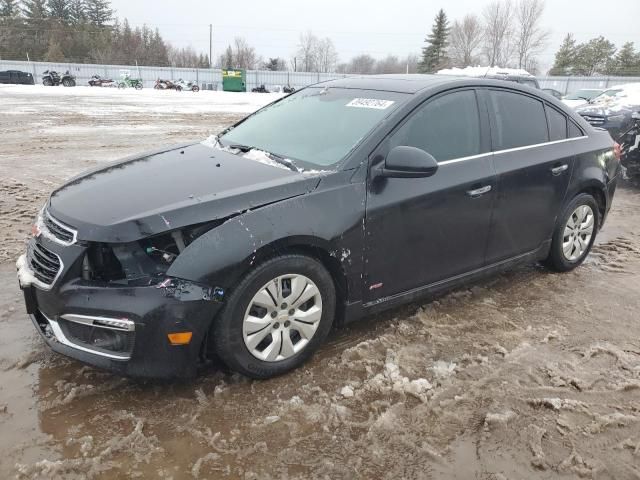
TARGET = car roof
(414,83)
(409,83)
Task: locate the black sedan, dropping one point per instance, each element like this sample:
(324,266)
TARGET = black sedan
(332,203)
(16,77)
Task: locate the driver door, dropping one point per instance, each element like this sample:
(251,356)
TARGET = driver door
(421,231)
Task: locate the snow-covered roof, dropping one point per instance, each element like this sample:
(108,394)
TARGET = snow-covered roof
(484,71)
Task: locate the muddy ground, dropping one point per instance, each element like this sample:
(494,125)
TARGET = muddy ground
(530,375)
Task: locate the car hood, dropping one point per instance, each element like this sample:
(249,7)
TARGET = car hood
(604,109)
(574,103)
(169,189)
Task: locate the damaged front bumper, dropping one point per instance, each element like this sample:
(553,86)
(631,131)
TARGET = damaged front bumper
(121,328)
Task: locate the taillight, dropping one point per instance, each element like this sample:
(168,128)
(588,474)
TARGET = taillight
(617,151)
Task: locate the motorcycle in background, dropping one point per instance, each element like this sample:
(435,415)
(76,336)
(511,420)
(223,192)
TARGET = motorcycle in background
(98,81)
(128,82)
(182,85)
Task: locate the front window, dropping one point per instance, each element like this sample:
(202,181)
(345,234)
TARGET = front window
(315,127)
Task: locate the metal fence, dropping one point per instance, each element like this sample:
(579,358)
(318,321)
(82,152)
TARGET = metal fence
(205,77)
(212,78)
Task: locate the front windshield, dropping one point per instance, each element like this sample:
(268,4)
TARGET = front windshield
(606,95)
(317,125)
(584,95)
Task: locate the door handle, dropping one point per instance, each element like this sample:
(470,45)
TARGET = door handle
(560,169)
(479,191)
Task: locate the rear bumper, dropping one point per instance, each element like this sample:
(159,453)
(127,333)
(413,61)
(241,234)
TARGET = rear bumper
(140,317)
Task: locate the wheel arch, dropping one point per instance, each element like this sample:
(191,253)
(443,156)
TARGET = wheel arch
(598,192)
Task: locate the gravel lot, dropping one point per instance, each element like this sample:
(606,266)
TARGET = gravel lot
(530,375)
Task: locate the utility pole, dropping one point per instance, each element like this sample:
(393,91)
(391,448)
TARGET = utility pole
(210,45)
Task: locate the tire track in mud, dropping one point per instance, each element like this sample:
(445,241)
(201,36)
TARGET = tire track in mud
(19,205)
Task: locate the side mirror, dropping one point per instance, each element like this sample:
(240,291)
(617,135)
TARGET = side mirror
(408,162)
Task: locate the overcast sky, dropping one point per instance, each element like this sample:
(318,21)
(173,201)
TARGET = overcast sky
(377,27)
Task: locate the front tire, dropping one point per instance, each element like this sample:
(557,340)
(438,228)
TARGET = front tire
(275,319)
(574,234)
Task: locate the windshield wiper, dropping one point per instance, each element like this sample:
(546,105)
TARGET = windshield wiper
(273,156)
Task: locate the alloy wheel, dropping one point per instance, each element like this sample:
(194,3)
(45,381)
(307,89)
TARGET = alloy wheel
(282,317)
(578,232)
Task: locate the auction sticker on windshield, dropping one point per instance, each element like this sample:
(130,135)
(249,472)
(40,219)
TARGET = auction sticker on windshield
(370,103)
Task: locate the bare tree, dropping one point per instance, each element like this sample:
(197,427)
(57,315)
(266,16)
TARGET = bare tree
(239,55)
(326,56)
(389,64)
(245,55)
(465,41)
(498,32)
(307,52)
(362,64)
(530,36)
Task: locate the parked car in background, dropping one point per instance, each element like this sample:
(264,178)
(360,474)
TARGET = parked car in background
(630,147)
(553,92)
(332,203)
(582,96)
(613,108)
(16,77)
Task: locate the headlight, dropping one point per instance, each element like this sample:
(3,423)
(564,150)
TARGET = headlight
(615,118)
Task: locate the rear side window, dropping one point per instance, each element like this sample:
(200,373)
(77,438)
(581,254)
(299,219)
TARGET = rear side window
(447,127)
(574,130)
(519,120)
(557,124)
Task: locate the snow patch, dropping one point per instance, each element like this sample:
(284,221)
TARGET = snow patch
(483,71)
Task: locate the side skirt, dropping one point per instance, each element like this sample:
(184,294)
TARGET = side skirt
(357,310)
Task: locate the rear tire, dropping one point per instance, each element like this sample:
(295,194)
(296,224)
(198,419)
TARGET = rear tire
(574,234)
(264,341)
(138,86)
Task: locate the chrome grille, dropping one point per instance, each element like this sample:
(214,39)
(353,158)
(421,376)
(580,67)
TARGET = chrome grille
(65,234)
(44,264)
(594,120)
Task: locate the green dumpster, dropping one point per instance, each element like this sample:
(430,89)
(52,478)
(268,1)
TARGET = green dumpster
(234,80)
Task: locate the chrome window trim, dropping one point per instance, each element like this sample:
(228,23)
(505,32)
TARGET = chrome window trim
(119,324)
(73,231)
(508,150)
(23,264)
(60,337)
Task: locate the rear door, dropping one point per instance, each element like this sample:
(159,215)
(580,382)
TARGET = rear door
(533,160)
(423,230)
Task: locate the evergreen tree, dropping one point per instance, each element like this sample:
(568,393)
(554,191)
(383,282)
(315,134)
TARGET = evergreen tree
(59,9)
(99,12)
(565,57)
(594,57)
(434,55)
(77,12)
(627,61)
(8,8)
(34,9)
